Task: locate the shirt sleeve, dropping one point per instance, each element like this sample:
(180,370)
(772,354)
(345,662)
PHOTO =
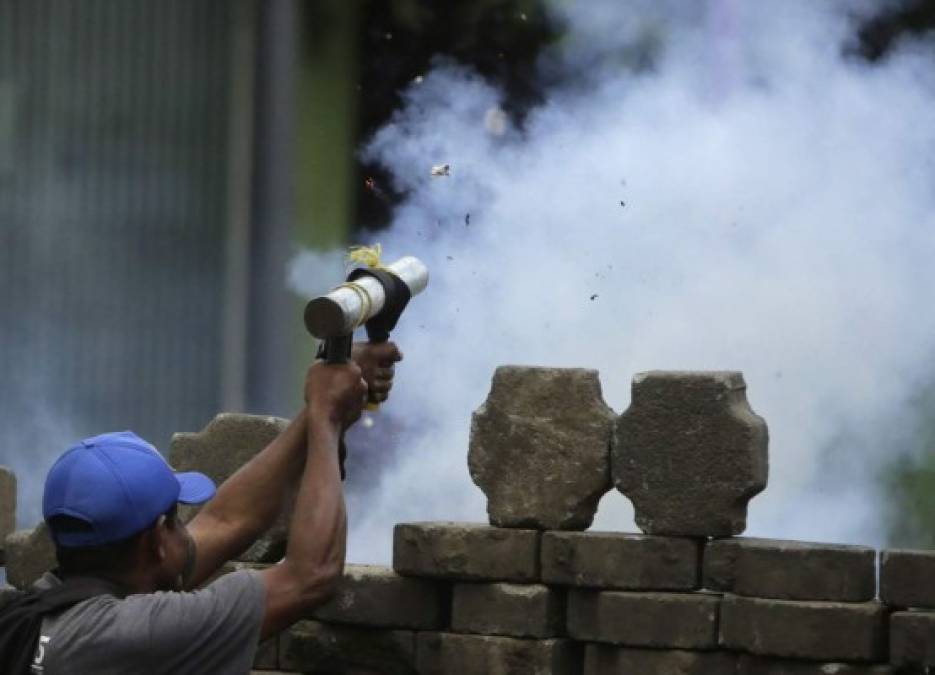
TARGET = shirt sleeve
(212,630)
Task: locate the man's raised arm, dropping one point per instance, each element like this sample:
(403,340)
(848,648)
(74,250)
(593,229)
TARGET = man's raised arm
(249,501)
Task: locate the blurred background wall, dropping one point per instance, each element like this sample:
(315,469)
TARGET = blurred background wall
(161,163)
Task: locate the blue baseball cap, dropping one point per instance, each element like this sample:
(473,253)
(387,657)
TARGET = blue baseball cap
(119,485)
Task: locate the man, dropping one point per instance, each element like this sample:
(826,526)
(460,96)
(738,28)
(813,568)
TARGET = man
(111,506)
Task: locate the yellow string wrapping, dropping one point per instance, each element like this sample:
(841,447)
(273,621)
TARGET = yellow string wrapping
(366,255)
(365,300)
(369,256)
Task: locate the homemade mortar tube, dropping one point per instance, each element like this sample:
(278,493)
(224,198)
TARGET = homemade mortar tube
(352,304)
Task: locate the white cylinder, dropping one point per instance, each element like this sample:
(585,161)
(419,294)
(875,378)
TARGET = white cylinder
(352,304)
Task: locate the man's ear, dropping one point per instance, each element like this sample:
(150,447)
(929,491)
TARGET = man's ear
(154,541)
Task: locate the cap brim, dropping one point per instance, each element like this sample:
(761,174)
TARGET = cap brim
(196,488)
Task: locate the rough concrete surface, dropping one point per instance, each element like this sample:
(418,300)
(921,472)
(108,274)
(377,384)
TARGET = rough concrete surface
(658,620)
(757,665)
(610,660)
(623,561)
(449,654)
(912,639)
(267,654)
(516,610)
(376,596)
(29,555)
(539,447)
(819,631)
(690,453)
(7,506)
(790,570)
(907,578)
(228,442)
(319,649)
(466,551)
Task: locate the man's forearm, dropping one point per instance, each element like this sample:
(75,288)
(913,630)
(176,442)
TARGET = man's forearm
(317,537)
(318,532)
(248,502)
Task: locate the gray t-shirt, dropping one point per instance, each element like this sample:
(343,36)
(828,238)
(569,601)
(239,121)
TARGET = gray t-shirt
(212,630)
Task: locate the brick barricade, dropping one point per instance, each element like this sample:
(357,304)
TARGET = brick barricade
(538,598)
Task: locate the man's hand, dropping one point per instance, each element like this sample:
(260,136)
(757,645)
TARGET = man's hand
(335,392)
(376,361)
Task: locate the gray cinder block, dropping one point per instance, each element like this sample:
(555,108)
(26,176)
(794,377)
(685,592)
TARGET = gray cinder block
(609,660)
(658,620)
(312,647)
(907,578)
(540,447)
(7,506)
(29,555)
(267,654)
(624,561)
(758,665)
(516,610)
(466,551)
(690,453)
(447,654)
(377,596)
(912,639)
(818,631)
(228,442)
(790,570)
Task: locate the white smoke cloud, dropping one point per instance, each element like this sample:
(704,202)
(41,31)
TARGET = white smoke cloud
(751,199)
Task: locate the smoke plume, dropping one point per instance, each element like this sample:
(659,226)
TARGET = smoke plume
(714,185)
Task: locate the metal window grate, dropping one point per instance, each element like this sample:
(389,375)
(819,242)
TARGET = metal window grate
(113,189)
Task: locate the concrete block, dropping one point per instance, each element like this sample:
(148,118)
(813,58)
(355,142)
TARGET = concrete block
(466,551)
(228,442)
(540,447)
(7,506)
(267,654)
(625,561)
(907,578)
(320,649)
(757,665)
(377,596)
(658,620)
(790,570)
(29,555)
(449,654)
(517,610)
(690,453)
(912,639)
(818,631)
(609,660)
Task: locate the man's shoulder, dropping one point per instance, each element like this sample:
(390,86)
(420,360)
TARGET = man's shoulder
(167,623)
(166,607)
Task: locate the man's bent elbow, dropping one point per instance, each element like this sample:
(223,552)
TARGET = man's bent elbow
(322,583)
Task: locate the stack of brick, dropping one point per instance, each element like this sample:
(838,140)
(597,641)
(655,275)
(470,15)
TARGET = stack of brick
(533,593)
(907,584)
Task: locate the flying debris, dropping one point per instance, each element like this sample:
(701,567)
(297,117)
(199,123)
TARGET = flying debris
(371,185)
(441,170)
(622,203)
(495,121)
(594,297)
